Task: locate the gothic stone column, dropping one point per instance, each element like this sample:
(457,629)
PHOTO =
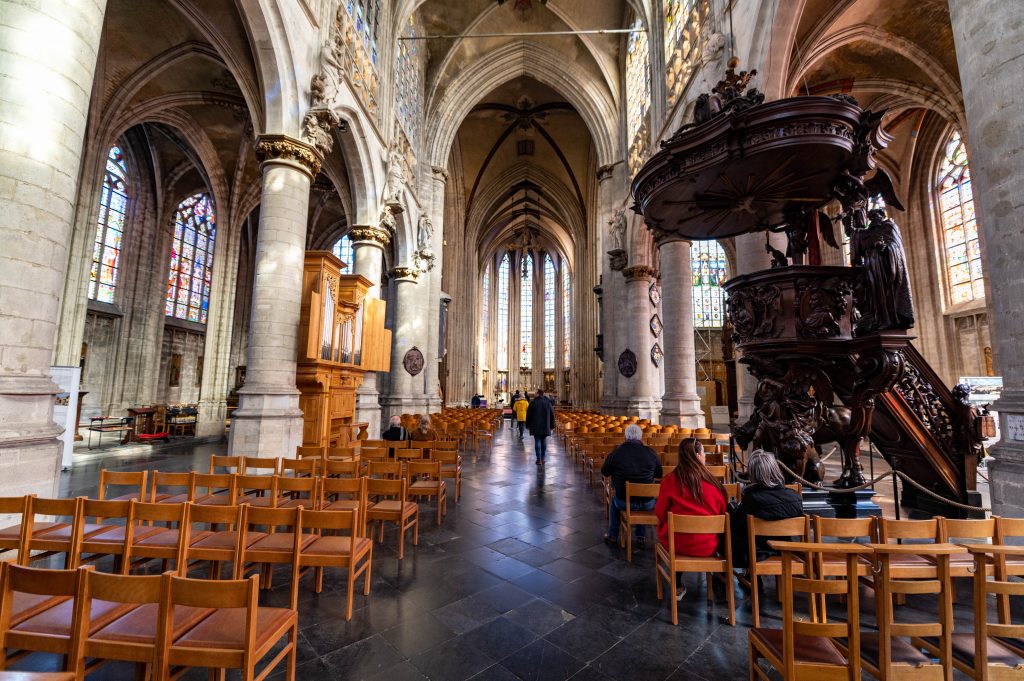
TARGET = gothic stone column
(47,63)
(989,36)
(368,244)
(439,181)
(268,421)
(642,394)
(680,405)
(405,393)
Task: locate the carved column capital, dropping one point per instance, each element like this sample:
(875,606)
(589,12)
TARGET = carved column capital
(638,273)
(406,273)
(271,148)
(370,233)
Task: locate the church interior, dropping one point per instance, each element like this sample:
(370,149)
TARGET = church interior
(277,275)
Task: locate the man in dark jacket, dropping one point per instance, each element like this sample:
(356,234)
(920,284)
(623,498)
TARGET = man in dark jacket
(630,462)
(767,498)
(395,432)
(540,420)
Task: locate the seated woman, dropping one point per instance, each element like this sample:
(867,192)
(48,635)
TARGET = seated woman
(690,490)
(424,432)
(765,497)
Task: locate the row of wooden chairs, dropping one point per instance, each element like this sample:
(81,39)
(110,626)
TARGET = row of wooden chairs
(164,624)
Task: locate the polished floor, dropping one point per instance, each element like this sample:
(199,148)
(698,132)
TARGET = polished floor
(516,584)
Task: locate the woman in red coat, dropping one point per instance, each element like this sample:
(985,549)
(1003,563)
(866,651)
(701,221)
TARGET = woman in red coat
(690,490)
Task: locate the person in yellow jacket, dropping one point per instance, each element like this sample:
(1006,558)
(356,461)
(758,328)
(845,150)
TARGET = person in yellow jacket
(519,407)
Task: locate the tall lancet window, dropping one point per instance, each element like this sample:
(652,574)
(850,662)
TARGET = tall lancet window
(638,94)
(409,83)
(504,271)
(485,314)
(366,15)
(566,314)
(550,288)
(683,21)
(707,267)
(526,313)
(343,249)
(960,225)
(106,251)
(191,270)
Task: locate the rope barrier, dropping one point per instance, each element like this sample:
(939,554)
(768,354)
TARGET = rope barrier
(954,504)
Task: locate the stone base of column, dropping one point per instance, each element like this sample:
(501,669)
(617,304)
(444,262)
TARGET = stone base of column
(398,405)
(683,411)
(368,408)
(434,405)
(1006,473)
(211,418)
(644,407)
(30,448)
(266,423)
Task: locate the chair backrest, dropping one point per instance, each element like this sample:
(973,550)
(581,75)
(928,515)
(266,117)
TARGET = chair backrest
(733,490)
(345,469)
(133,589)
(331,520)
(167,514)
(310,452)
(408,453)
(845,528)
(640,489)
(299,467)
(373,444)
(1010,531)
(351,488)
(134,479)
(796,487)
(1003,587)
(384,469)
(890,529)
(56,510)
(19,507)
(422,469)
(272,517)
(445,445)
(342,453)
(224,517)
(232,463)
(257,465)
(106,509)
(212,483)
(16,578)
(184,482)
(301,488)
(951,529)
(444,456)
(239,594)
(698,524)
(788,527)
(373,454)
(720,472)
(255,483)
(379,487)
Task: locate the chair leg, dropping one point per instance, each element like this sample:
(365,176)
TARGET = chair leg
(754,599)
(672,601)
(401,540)
(293,640)
(367,571)
(657,579)
(730,596)
(710,590)
(350,590)
(319,573)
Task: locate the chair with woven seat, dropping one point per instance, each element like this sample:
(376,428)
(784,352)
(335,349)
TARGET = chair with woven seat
(135,481)
(393,506)
(168,543)
(894,651)
(772,565)
(237,635)
(334,548)
(424,480)
(811,649)
(172,488)
(215,537)
(628,518)
(668,563)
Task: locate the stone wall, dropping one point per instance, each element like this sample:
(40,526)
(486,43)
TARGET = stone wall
(181,360)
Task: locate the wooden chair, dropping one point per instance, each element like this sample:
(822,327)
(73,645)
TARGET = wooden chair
(256,465)
(1008,531)
(300,467)
(110,539)
(733,490)
(237,635)
(232,464)
(796,487)
(894,650)
(168,543)
(345,494)
(215,536)
(215,489)
(451,467)
(274,547)
(407,454)
(846,530)
(343,453)
(368,454)
(394,507)
(910,566)
(720,472)
(12,538)
(809,649)
(256,490)
(61,532)
(668,563)
(334,468)
(48,631)
(295,492)
(388,470)
(135,481)
(172,488)
(629,518)
(973,531)
(771,566)
(333,548)
(424,479)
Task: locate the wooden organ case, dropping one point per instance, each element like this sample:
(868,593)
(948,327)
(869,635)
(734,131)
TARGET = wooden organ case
(342,336)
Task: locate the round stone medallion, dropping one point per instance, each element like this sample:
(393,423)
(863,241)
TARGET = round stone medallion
(627,363)
(413,361)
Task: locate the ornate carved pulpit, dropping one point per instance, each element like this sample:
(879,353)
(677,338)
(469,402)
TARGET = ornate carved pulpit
(342,336)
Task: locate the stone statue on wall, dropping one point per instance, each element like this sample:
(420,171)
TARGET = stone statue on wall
(883,297)
(396,177)
(966,431)
(424,234)
(617,230)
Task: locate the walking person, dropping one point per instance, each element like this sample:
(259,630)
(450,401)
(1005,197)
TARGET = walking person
(519,407)
(540,419)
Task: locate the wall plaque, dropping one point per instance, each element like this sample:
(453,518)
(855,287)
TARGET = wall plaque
(1015,427)
(413,361)
(655,293)
(657,355)
(656,326)
(627,363)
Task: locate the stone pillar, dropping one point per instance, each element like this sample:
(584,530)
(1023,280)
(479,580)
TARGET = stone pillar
(989,37)
(641,396)
(368,244)
(47,63)
(404,394)
(438,180)
(268,421)
(680,405)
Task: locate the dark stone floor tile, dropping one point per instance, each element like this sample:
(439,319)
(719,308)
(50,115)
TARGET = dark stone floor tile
(365,658)
(584,638)
(466,614)
(539,616)
(499,638)
(566,569)
(505,597)
(454,660)
(538,582)
(510,546)
(637,662)
(537,556)
(542,661)
(495,673)
(417,635)
(403,671)
(510,569)
(588,673)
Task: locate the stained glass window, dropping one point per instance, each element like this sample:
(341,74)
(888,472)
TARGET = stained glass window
(409,84)
(638,94)
(683,20)
(343,249)
(366,15)
(526,313)
(566,314)
(188,282)
(485,313)
(503,287)
(106,250)
(550,288)
(960,225)
(707,267)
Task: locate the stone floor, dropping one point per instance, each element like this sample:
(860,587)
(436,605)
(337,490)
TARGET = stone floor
(516,584)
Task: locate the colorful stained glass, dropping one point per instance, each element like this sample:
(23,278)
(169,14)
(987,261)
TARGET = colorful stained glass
(959,227)
(485,314)
(504,270)
(343,249)
(566,315)
(526,313)
(638,94)
(550,288)
(683,21)
(409,66)
(188,289)
(106,252)
(708,271)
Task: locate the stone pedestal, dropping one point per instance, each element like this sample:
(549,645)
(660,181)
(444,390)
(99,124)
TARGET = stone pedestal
(642,395)
(268,421)
(989,37)
(368,244)
(47,68)
(680,405)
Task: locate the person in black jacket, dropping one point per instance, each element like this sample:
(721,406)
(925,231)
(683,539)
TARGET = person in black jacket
(629,462)
(395,432)
(765,497)
(540,420)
